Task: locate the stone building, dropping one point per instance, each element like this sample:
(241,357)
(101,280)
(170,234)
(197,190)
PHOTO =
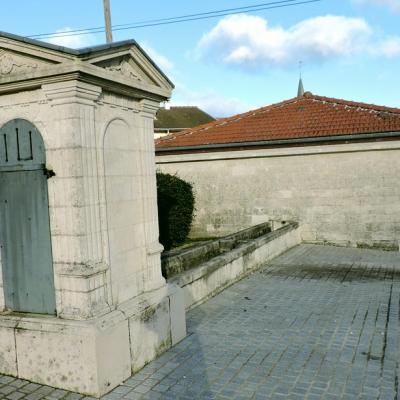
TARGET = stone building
(83,303)
(333,165)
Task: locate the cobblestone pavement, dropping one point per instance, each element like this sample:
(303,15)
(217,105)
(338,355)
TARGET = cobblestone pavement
(318,322)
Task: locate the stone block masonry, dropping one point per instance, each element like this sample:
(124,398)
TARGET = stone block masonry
(346,194)
(113,312)
(211,277)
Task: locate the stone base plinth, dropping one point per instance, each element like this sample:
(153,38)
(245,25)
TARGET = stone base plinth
(93,356)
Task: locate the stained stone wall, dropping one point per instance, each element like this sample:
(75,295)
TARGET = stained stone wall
(346,194)
(84,232)
(114,310)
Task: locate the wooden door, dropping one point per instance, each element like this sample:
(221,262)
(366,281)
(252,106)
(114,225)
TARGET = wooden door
(25,242)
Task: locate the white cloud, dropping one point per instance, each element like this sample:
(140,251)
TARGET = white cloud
(389,48)
(163,62)
(73,41)
(211,102)
(248,41)
(392,4)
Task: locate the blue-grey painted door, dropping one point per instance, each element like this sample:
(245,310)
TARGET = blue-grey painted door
(25,242)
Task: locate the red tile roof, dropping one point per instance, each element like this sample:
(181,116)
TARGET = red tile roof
(301,117)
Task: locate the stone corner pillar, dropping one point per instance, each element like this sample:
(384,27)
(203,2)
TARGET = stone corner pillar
(81,273)
(148,112)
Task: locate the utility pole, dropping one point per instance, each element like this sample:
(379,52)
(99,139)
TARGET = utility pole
(107,18)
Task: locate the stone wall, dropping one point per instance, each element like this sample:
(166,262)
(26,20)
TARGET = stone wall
(114,311)
(214,275)
(348,194)
(184,258)
(94,110)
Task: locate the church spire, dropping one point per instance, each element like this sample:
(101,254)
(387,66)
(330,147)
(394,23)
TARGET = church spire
(300,90)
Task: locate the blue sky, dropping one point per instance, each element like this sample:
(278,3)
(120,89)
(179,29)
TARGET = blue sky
(350,48)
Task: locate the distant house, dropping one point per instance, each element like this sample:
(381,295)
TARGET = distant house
(176,119)
(333,165)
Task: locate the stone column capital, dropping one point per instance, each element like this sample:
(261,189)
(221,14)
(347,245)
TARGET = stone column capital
(149,108)
(71,92)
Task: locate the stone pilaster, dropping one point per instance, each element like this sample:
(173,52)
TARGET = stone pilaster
(74,201)
(154,277)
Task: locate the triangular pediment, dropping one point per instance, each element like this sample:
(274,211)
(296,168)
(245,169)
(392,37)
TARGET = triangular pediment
(12,63)
(20,55)
(121,66)
(125,67)
(133,63)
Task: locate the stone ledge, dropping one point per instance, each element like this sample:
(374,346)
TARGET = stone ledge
(178,260)
(213,276)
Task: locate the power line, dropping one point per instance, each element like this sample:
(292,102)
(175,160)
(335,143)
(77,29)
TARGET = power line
(178,19)
(99,28)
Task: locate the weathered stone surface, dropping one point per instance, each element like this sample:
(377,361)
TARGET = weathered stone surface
(177,313)
(214,275)
(8,356)
(88,358)
(181,259)
(345,194)
(95,112)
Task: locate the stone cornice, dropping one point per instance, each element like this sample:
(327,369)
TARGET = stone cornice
(149,108)
(71,91)
(83,72)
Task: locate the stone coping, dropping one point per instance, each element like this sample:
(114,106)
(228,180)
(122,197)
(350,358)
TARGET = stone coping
(178,260)
(214,275)
(225,258)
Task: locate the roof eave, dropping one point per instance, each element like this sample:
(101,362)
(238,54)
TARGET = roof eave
(86,51)
(281,142)
(68,50)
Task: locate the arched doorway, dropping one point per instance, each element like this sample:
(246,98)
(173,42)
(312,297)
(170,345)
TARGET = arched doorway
(25,242)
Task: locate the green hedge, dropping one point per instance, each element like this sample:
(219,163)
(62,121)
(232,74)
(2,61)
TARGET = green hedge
(175,209)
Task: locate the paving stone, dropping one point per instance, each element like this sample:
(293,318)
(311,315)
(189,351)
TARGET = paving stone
(321,322)
(44,390)
(5,390)
(6,379)
(30,387)
(122,389)
(133,396)
(18,383)
(113,396)
(15,396)
(37,396)
(56,394)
